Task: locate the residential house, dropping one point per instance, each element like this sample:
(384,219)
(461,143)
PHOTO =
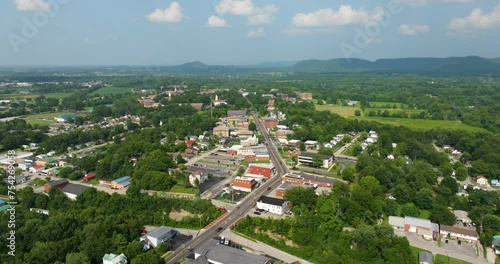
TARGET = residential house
(251,141)
(197,106)
(294,143)
(221,131)
(62,163)
(73,190)
(199,176)
(481,180)
(59,184)
(244,133)
(213,251)
(235,150)
(121,183)
(89,177)
(308,159)
(24,165)
(244,184)
(190,143)
(266,170)
(495,183)
(114,259)
(218,102)
(425,257)
(159,235)
(237,112)
(459,233)
(36,168)
(273,205)
(311,144)
(192,151)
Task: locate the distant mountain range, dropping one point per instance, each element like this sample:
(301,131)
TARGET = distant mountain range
(452,65)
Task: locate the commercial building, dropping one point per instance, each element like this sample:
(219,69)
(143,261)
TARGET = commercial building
(458,233)
(244,184)
(266,170)
(309,159)
(121,182)
(273,205)
(306,179)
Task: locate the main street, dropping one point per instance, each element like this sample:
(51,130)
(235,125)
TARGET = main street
(232,217)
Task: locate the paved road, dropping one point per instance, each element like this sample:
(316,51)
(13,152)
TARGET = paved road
(195,159)
(338,154)
(243,207)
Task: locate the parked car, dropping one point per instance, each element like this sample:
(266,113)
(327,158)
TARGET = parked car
(257,212)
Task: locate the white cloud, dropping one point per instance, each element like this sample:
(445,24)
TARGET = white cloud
(264,15)
(255,15)
(291,30)
(215,21)
(172,14)
(235,7)
(256,33)
(32,5)
(407,29)
(345,15)
(476,20)
(426,2)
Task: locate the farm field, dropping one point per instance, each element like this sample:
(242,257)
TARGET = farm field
(34,95)
(45,118)
(113,90)
(344,111)
(423,124)
(385,104)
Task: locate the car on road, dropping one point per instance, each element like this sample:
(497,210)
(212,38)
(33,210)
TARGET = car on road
(220,229)
(256,212)
(237,207)
(268,188)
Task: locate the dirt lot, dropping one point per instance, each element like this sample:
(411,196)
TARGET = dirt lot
(177,216)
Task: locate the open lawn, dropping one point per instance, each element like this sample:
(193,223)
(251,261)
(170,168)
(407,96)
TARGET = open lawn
(423,124)
(444,259)
(344,111)
(34,95)
(113,90)
(45,118)
(182,189)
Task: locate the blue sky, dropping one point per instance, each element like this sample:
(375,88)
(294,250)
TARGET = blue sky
(242,32)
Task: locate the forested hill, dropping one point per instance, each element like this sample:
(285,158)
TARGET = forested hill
(452,65)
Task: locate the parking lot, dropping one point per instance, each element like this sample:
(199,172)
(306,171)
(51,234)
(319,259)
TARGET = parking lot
(464,251)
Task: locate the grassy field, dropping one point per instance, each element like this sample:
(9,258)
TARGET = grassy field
(344,111)
(444,259)
(34,95)
(423,124)
(384,104)
(113,90)
(45,118)
(182,189)
(391,110)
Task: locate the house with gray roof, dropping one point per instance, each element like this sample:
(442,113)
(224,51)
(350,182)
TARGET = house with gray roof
(421,226)
(159,235)
(214,252)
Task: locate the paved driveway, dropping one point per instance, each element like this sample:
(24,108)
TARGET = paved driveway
(465,251)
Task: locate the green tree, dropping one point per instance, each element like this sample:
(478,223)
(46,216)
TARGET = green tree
(299,196)
(450,183)
(302,146)
(150,257)
(409,210)
(317,161)
(252,126)
(424,198)
(442,215)
(357,113)
(77,258)
(133,249)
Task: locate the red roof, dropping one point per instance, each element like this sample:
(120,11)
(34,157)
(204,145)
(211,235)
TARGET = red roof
(89,176)
(36,167)
(190,143)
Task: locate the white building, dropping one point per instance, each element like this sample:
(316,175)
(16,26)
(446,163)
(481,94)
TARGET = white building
(273,205)
(197,175)
(114,259)
(459,233)
(159,235)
